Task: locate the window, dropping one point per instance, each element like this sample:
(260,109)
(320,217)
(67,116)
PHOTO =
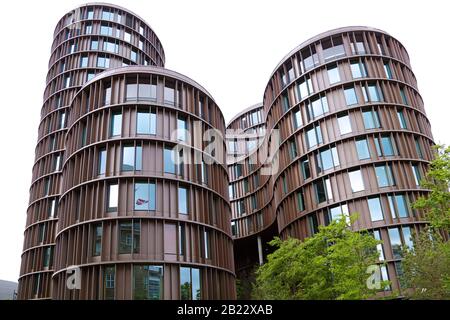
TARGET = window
(233,228)
(47,186)
(113,197)
(127,36)
(181,239)
(396,242)
(323,190)
(387,70)
(67,82)
(337,213)
(285,102)
(102,161)
(131,158)
(90,75)
(403,95)
(147,282)
(377,236)
(146,122)
(238,170)
(333,75)
(147,92)
(105,30)
(376,212)
(298,119)
(116,124)
(41,237)
(182,129)
(384,176)
(304,167)
(47,256)
(144,196)
(357,44)
(388,148)
(169,96)
(356,180)
(313,137)
(131,91)
(133,56)
(107,95)
(350,96)
(407,237)
(313,224)
(317,107)
(362,148)
(304,88)
(88,29)
(416,174)
(97,240)
(374,93)
(83,139)
(230,191)
(332,49)
(94,45)
(84,62)
(398,206)
(109,283)
(182,200)
(300,201)
(344,124)
(106,15)
(129,236)
(204,173)
(52,209)
(293,149)
(110,47)
(418,148)
(102,62)
(371,120)
(190,283)
(401,119)
(206,245)
(169,160)
(358,69)
(57,163)
(90,14)
(327,159)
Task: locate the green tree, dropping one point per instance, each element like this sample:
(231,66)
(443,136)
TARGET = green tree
(426,267)
(332,264)
(436,204)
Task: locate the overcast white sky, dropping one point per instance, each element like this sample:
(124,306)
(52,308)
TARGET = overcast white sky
(229,47)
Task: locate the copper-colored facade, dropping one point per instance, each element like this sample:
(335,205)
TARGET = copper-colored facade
(81,160)
(354,138)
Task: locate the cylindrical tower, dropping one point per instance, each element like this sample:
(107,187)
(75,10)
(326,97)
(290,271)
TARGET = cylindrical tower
(138,223)
(87,41)
(354,138)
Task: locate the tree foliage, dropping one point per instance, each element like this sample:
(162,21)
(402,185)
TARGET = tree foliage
(332,264)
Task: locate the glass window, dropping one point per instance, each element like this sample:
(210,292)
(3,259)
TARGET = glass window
(90,75)
(146,122)
(169,95)
(52,209)
(304,165)
(323,190)
(285,102)
(407,237)
(398,206)
(401,119)
(350,96)
(418,148)
(169,160)
(371,120)
(127,36)
(317,107)
(403,95)
(387,70)
(88,29)
(333,75)
(90,14)
(131,91)
(105,30)
(181,129)
(230,191)
(358,70)
(107,96)
(182,200)
(298,119)
(106,15)
(376,211)
(57,163)
(94,45)
(102,161)
(313,137)
(131,158)
(110,47)
(113,196)
(206,245)
(356,180)
(362,149)
(396,242)
(293,149)
(41,237)
(116,124)
(109,283)
(388,148)
(327,159)
(300,201)
(313,224)
(133,56)
(147,92)
(47,256)
(147,282)
(344,124)
(416,174)
(374,93)
(102,62)
(97,245)
(84,62)
(144,196)
(129,236)
(384,176)
(337,213)
(67,82)
(190,283)
(377,236)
